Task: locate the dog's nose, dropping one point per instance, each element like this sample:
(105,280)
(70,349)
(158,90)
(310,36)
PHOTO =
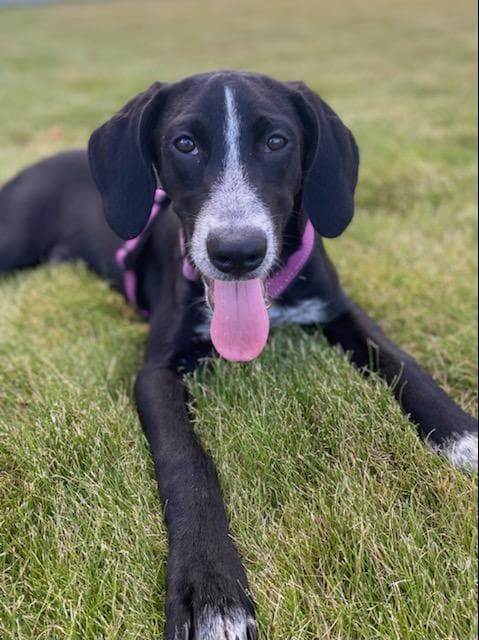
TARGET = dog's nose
(237,254)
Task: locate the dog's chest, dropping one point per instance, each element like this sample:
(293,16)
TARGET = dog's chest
(307,311)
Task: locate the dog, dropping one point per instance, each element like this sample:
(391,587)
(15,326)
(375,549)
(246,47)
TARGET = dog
(250,174)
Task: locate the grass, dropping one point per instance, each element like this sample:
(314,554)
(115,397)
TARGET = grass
(349,528)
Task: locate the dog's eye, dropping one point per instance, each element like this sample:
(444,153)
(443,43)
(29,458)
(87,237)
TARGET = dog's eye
(185,144)
(275,143)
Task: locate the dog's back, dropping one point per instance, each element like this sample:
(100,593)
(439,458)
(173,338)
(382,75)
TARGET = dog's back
(52,211)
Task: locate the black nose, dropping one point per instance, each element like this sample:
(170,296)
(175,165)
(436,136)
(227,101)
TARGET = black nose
(236,253)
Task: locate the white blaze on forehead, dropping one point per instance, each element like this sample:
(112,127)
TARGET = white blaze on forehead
(232,132)
(233,205)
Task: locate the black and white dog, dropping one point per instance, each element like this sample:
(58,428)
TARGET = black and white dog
(248,163)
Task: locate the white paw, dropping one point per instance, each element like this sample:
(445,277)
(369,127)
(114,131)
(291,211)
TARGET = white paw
(462,451)
(233,624)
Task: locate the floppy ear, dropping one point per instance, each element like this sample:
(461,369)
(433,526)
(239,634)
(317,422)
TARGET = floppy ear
(331,164)
(121,162)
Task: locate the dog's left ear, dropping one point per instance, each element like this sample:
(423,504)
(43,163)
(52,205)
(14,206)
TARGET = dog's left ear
(121,162)
(331,163)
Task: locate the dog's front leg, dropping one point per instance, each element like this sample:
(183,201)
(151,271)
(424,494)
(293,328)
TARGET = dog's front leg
(207,590)
(445,426)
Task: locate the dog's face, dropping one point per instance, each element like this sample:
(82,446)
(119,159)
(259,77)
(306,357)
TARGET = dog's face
(238,155)
(229,155)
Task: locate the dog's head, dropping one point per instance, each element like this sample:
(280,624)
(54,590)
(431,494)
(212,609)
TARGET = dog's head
(239,155)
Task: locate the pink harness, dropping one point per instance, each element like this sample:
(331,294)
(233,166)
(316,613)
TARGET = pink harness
(275,285)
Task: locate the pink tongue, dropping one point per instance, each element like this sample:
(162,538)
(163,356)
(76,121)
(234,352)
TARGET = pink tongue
(240,324)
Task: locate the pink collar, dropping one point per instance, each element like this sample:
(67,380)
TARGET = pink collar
(275,285)
(280,281)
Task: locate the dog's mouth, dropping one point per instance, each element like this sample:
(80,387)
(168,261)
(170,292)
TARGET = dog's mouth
(240,323)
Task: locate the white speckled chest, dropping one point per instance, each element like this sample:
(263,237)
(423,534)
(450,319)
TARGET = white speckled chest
(307,311)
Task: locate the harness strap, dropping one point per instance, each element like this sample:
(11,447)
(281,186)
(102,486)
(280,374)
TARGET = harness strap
(125,255)
(280,281)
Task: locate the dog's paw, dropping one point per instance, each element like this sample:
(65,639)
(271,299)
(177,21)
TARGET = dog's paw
(209,606)
(461,450)
(215,623)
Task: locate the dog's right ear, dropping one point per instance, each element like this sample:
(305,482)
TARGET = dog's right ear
(121,162)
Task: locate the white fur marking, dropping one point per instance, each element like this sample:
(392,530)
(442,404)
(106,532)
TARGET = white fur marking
(306,311)
(232,133)
(462,451)
(233,205)
(230,626)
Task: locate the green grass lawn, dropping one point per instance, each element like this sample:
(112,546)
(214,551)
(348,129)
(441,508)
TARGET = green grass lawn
(349,528)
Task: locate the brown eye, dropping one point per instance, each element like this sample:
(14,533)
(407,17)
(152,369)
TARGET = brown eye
(185,144)
(275,143)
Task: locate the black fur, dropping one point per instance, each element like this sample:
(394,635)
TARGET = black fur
(332,164)
(53,210)
(121,161)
